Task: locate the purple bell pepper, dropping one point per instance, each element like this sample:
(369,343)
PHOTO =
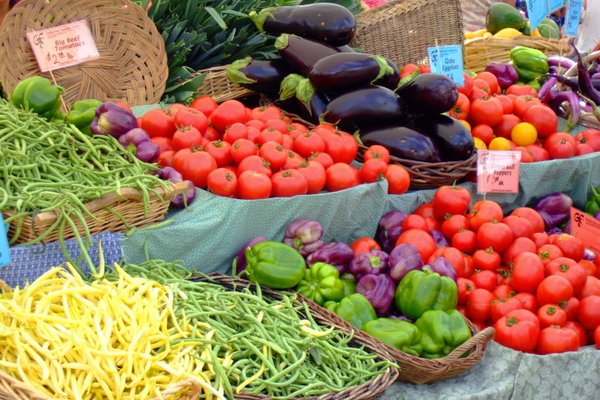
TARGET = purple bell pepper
(554,208)
(442,266)
(304,235)
(439,238)
(113,120)
(172,175)
(372,262)
(379,289)
(138,141)
(505,73)
(403,259)
(239,261)
(337,254)
(389,229)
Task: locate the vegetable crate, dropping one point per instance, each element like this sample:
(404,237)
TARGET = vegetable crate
(115,212)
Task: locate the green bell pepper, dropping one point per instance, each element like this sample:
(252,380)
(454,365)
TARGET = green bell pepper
(82,114)
(442,332)
(39,95)
(349,284)
(529,63)
(275,265)
(321,283)
(397,333)
(356,309)
(420,291)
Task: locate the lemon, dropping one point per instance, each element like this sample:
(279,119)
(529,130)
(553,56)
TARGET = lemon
(507,33)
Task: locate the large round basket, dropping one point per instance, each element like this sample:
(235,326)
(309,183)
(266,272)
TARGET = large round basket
(132,66)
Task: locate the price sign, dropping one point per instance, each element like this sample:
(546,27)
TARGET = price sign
(586,228)
(554,5)
(447,60)
(4,251)
(63,46)
(498,171)
(536,12)
(573,17)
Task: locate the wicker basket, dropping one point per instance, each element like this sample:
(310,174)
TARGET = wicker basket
(479,52)
(133,63)
(115,212)
(369,390)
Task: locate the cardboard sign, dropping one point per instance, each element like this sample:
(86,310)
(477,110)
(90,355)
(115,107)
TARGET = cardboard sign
(573,17)
(586,228)
(447,60)
(536,12)
(63,46)
(498,171)
(4,251)
(554,5)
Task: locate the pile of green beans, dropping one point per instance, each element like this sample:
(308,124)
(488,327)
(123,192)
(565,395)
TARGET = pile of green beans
(277,347)
(46,166)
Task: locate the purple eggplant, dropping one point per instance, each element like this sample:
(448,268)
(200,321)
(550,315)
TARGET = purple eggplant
(379,289)
(239,261)
(326,22)
(558,98)
(402,142)
(389,229)
(585,81)
(337,254)
(452,138)
(560,61)
(113,120)
(442,266)
(403,259)
(429,93)
(390,80)
(302,54)
(505,73)
(304,235)
(372,262)
(262,76)
(555,208)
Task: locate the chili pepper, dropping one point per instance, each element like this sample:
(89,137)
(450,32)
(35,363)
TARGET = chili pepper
(402,335)
(441,332)
(304,235)
(82,114)
(275,265)
(356,309)
(38,94)
(321,283)
(529,63)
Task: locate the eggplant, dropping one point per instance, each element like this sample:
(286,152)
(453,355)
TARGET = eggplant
(302,54)
(402,142)
(429,93)
(342,70)
(326,22)
(453,139)
(360,107)
(390,80)
(262,76)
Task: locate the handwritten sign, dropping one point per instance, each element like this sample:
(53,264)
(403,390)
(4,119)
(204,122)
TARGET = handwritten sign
(63,46)
(586,228)
(4,251)
(536,12)
(554,5)
(498,171)
(573,17)
(447,60)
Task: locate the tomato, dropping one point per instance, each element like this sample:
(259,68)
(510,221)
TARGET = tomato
(500,143)
(221,151)
(254,185)
(486,259)
(478,93)
(504,275)
(541,238)
(520,90)
(543,118)
(269,135)
(589,267)
(408,69)
(453,224)
(211,134)
(425,210)
(460,109)
(453,255)
(530,214)
(569,269)
(194,165)
(507,104)
(341,176)
(527,272)
(340,145)
(308,143)
(501,306)
(267,112)
(494,234)
(294,160)
(222,182)
(582,149)
(235,131)
(187,137)
(559,147)
(253,134)
(315,176)
(538,152)
(227,113)
(425,69)
(414,221)
(579,330)
(523,134)
(377,151)
(158,122)
(465,288)
(483,85)
(554,289)
(504,291)
(398,179)
(483,132)
(421,239)
(520,226)
(274,153)
(297,128)
(465,240)
(191,117)
(479,305)
(554,339)
(588,312)
(528,301)
(322,158)
(241,149)
(485,279)
(288,183)
(570,306)
(206,104)
(597,337)
(372,170)
(490,79)
(449,200)
(549,252)
(484,211)
(276,124)
(467,85)
(518,246)
(255,163)
(571,246)
(551,314)
(590,137)
(504,127)
(523,103)
(486,111)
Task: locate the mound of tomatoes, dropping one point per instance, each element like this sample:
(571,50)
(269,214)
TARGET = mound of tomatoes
(536,289)
(254,153)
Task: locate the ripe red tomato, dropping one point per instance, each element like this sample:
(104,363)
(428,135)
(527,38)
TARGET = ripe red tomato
(485,279)
(194,165)
(532,216)
(597,337)
(398,179)
(505,126)
(425,210)
(507,104)
(322,158)
(591,287)
(541,238)
(188,116)
(221,151)
(187,137)
(255,163)
(518,246)
(571,246)
(372,170)
(341,176)
(580,330)
(296,128)
(254,185)
(479,305)
(486,111)
(484,211)
(467,85)
(165,159)
(453,255)
(377,151)
(242,148)
(288,183)
(549,252)
(364,245)
(590,137)
(589,267)
(235,131)
(483,132)
(465,288)
(453,224)
(269,135)
(227,113)
(528,301)
(494,234)
(163,143)
(551,314)
(483,85)
(521,227)
(421,239)
(554,339)
(276,124)
(469,269)
(266,112)
(588,312)
(554,289)
(158,122)
(543,118)
(206,104)
(449,200)
(414,221)
(504,291)
(294,160)
(501,306)
(308,143)
(569,269)
(519,90)
(491,80)
(274,153)
(315,176)
(517,331)
(527,273)
(340,145)
(222,182)
(486,259)
(465,240)
(523,103)
(539,153)
(570,306)
(560,145)
(460,109)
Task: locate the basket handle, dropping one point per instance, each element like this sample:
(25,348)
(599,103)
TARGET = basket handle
(483,336)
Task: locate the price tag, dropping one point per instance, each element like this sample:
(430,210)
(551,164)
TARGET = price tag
(573,17)
(498,171)
(63,46)
(447,60)
(4,251)
(554,5)
(536,12)
(586,228)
